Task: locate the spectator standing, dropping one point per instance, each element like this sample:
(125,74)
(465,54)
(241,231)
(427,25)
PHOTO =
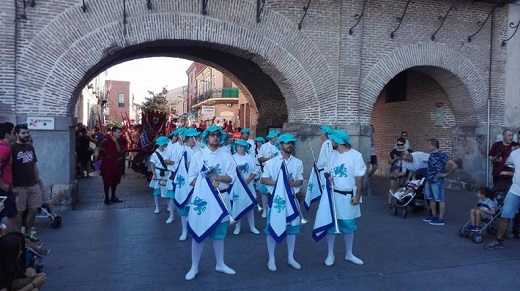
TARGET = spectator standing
(111,155)
(499,153)
(9,210)
(511,203)
(434,188)
(396,164)
(26,178)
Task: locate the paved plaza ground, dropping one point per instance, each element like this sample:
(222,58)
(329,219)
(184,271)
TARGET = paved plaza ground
(128,247)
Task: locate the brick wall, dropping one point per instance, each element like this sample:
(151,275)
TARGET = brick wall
(7,61)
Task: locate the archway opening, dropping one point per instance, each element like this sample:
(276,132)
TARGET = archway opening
(415,102)
(240,66)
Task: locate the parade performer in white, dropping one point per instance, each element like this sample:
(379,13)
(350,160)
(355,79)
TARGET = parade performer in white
(243,200)
(267,152)
(183,190)
(283,175)
(211,172)
(316,184)
(161,182)
(345,179)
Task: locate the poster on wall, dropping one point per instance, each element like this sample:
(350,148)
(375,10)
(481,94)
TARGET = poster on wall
(40,123)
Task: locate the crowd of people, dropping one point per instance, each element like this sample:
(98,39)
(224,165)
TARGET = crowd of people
(215,176)
(21,190)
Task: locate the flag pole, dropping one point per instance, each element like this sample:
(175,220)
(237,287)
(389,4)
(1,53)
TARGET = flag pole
(336,227)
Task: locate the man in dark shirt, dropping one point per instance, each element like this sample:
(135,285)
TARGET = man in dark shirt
(26,177)
(499,153)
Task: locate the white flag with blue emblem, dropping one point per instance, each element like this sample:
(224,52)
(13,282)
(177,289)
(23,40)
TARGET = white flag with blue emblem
(183,190)
(324,214)
(207,209)
(283,207)
(242,199)
(314,188)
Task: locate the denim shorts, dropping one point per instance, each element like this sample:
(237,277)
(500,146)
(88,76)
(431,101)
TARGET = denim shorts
(434,191)
(511,205)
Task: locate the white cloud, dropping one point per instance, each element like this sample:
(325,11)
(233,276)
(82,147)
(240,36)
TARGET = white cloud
(151,74)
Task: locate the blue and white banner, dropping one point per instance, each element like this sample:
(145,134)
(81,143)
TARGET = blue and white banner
(324,214)
(242,199)
(183,190)
(314,188)
(207,209)
(283,208)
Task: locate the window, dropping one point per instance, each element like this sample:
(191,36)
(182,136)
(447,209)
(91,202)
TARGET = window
(121,100)
(396,88)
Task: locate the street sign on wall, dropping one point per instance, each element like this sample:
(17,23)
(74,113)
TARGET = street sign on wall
(207,112)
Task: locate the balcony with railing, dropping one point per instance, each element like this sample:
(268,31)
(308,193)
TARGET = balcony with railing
(226,94)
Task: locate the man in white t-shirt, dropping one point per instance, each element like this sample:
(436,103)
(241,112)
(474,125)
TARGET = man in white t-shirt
(415,163)
(511,202)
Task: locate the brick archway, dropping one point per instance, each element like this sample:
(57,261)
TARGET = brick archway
(455,73)
(75,44)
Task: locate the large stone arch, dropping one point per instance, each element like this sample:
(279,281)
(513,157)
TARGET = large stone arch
(453,71)
(73,43)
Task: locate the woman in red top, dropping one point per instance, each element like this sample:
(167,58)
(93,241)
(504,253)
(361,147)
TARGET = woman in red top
(111,155)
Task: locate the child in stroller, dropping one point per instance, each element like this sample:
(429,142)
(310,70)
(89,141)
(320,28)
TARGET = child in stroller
(408,190)
(484,210)
(484,215)
(406,196)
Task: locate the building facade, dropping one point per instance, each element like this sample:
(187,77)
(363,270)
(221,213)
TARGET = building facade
(334,63)
(118,101)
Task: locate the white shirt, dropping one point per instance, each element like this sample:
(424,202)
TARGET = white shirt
(219,158)
(154,159)
(175,151)
(345,167)
(252,147)
(325,152)
(420,161)
(514,161)
(248,165)
(268,150)
(294,170)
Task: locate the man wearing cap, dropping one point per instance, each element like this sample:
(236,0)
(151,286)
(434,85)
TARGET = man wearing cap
(345,173)
(326,148)
(175,149)
(161,183)
(294,166)
(247,166)
(268,151)
(260,188)
(246,133)
(220,165)
(190,148)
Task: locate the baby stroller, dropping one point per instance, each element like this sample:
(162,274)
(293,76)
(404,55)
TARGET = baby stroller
(490,224)
(45,211)
(411,195)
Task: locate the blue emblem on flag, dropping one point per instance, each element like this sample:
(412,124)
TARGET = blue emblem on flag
(310,186)
(199,205)
(279,204)
(180,181)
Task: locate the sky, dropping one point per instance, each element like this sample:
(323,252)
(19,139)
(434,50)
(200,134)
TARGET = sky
(151,74)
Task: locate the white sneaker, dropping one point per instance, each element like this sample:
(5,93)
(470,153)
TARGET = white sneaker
(236,231)
(183,237)
(191,275)
(294,264)
(354,260)
(271,266)
(156,210)
(225,269)
(170,220)
(255,231)
(329,261)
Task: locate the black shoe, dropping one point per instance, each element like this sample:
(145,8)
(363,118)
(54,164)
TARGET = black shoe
(108,201)
(116,200)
